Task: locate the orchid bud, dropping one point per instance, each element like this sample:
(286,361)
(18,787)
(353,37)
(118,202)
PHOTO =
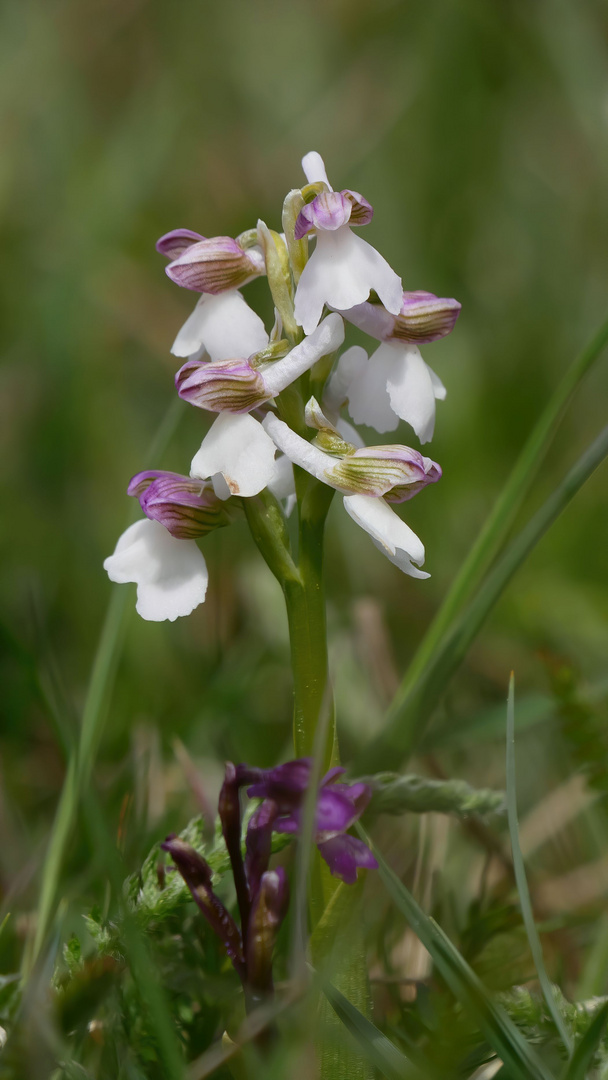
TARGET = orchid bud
(215,265)
(187,508)
(196,872)
(279,276)
(267,914)
(298,249)
(221,386)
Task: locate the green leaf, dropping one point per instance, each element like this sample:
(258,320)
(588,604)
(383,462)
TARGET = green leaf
(395,794)
(520,875)
(499,1030)
(379,1050)
(414,704)
(582,1057)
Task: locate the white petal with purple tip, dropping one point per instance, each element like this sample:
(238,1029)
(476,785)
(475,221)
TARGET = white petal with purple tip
(171,575)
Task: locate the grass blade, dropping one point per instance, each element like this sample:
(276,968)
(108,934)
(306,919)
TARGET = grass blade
(379,1050)
(520,875)
(578,1066)
(408,715)
(499,1030)
(495,530)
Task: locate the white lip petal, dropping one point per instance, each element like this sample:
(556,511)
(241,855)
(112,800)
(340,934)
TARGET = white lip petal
(341,272)
(368,396)
(390,534)
(171,575)
(314,169)
(351,364)
(237,447)
(349,433)
(225,325)
(410,388)
(327,337)
(438,387)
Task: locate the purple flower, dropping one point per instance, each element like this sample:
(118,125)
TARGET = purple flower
(283,790)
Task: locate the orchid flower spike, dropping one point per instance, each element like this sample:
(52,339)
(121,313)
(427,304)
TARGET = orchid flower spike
(160,553)
(394,383)
(283,790)
(368,477)
(343,269)
(240,385)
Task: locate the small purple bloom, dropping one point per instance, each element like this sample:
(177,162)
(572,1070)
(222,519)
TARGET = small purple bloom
(187,508)
(338,807)
(331,210)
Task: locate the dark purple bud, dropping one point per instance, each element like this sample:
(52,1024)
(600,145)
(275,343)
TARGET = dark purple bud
(229,809)
(186,507)
(197,875)
(174,243)
(221,385)
(259,844)
(215,265)
(344,855)
(267,914)
(285,784)
(424,317)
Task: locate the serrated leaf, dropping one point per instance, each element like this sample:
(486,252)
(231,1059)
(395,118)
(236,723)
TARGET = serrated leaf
(585,1050)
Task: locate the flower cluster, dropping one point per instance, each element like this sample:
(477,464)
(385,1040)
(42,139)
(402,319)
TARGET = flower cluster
(262,894)
(238,371)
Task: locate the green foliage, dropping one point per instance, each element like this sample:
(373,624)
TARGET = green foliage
(395,794)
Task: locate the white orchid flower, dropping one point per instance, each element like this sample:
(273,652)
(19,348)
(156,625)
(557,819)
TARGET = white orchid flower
(395,382)
(171,574)
(343,269)
(366,477)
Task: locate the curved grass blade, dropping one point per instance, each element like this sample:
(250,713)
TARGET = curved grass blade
(578,1066)
(95,710)
(495,530)
(379,1050)
(499,1030)
(520,875)
(407,717)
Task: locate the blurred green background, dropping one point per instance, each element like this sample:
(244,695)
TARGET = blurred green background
(479,133)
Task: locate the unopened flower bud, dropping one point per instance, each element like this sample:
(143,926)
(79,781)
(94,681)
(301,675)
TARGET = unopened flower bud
(215,265)
(267,914)
(187,508)
(196,872)
(221,386)
(278,270)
